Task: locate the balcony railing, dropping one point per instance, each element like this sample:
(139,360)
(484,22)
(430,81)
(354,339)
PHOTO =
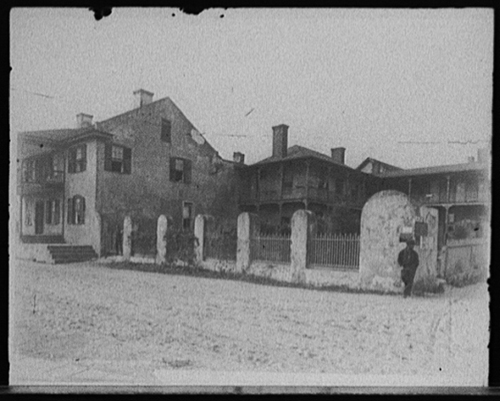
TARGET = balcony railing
(322,195)
(468,197)
(52,177)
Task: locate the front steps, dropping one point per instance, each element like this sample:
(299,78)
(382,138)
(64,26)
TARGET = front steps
(71,253)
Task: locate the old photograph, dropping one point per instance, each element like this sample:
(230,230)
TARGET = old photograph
(260,198)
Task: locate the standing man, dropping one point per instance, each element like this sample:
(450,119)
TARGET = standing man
(408,260)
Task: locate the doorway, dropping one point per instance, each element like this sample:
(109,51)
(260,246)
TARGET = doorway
(39,216)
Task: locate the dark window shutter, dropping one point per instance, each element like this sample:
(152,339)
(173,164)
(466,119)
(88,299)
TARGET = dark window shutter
(82,210)
(172,169)
(48,212)
(57,211)
(72,161)
(187,171)
(107,157)
(70,211)
(166,130)
(84,157)
(127,160)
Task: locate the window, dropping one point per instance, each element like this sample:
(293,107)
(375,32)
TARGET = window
(77,159)
(117,159)
(48,212)
(29,170)
(76,210)
(187,215)
(166,130)
(340,187)
(52,212)
(180,170)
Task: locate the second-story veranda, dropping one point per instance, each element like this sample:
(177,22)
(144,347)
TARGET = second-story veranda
(303,179)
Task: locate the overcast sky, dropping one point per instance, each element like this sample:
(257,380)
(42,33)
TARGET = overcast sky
(362,79)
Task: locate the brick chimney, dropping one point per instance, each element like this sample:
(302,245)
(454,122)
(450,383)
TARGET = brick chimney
(143,97)
(239,157)
(338,155)
(482,155)
(280,140)
(83,120)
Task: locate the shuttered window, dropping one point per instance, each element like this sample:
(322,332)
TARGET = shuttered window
(180,170)
(117,159)
(166,130)
(77,159)
(76,210)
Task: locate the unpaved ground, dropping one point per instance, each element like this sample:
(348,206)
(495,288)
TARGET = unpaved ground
(126,325)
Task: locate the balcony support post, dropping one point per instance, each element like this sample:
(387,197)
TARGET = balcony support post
(258,184)
(281,183)
(447,191)
(307,183)
(409,188)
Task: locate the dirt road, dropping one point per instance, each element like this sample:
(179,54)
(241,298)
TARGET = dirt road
(87,323)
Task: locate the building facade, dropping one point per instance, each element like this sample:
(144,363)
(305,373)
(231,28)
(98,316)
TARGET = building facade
(300,178)
(73,184)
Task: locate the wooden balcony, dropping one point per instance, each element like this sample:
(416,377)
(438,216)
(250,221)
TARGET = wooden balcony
(298,194)
(37,183)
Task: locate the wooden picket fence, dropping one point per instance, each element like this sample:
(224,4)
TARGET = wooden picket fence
(340,251)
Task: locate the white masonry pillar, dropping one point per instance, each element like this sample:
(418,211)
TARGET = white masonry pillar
(199,232)
(127,237)
(248,227)
(161,240)
(303,230)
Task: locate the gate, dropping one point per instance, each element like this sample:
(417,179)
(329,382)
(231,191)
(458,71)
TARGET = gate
(272,247)
(111,235)
(335,251)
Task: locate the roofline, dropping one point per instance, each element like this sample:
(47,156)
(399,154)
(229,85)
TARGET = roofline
(91,132)
(467,167)
(364,162)
(258,164)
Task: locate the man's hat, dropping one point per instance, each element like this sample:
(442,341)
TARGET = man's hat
(411,241)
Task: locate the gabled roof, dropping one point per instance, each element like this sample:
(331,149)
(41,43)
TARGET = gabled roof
(451,168)
(205,147)
(299,152)
(371,159)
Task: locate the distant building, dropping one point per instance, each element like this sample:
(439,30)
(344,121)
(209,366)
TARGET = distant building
(376,167)
(74,184)
(460,193)
(300,178)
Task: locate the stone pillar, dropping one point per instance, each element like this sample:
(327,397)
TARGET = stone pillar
(303,229)
(161,240)
(199,233)
(248,226)
(127,237)
(97,237)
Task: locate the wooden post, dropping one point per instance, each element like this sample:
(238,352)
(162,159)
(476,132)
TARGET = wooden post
(409,188)
(307,184)
(447,191)
(281,181)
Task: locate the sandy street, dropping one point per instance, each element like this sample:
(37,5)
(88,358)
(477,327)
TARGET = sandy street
(86,323)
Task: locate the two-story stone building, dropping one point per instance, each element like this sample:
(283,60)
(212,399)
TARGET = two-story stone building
(74,184)
(300,178)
